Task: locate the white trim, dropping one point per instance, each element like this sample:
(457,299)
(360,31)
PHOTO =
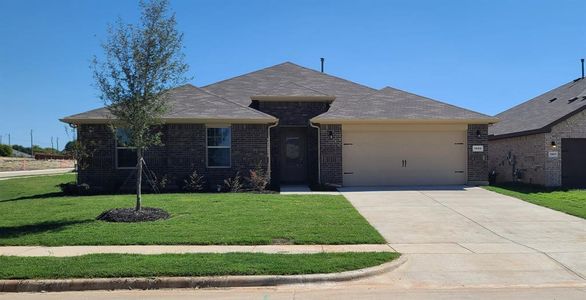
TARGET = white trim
(219,147)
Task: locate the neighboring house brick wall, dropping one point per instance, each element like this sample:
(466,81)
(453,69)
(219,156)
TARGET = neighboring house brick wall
(477,161)
(331,154)
(522,155)
(184,151)
(529,154)
(573,127)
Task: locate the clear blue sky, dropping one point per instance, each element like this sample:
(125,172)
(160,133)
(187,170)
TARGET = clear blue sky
(486,55)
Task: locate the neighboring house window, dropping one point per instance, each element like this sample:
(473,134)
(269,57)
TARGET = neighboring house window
(125,155)
(219,142)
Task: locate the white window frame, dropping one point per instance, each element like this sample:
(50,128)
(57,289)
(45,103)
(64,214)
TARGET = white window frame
(229,147)
(116,147)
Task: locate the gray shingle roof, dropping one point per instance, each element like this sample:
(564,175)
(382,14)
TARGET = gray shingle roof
(291,89)
(188,102)
(230,98)
(539,113)
(393,104)
(242,87)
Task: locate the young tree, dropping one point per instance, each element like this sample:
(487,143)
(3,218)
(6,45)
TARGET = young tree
(140,63)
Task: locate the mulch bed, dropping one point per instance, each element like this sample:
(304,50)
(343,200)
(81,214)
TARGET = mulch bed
(146,214)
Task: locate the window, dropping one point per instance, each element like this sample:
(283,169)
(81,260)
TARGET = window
(125,155)
(219,141)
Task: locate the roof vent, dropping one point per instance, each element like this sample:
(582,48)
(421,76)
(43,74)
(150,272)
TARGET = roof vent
(573,99)
(582,61)
(552,100)
(323,59)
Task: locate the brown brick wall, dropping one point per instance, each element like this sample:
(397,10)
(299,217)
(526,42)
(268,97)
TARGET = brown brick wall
(331,154)
(477,161)
(184,151)
(292,113)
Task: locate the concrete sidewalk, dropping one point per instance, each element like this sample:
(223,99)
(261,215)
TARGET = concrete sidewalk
(13,174)
(178,249)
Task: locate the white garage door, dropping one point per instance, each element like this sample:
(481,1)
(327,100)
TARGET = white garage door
(404,155)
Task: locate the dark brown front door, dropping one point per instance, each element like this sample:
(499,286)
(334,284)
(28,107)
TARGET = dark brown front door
(574,163)
(293,155)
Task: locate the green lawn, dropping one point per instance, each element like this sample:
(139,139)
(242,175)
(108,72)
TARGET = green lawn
(33,212)
(128,265)
(572,202)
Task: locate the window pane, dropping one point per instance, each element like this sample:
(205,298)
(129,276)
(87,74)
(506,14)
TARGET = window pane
(122,138)
(126,158)
(219,137)
(219,157)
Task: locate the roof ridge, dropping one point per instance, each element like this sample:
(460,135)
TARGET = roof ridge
(293,64)
(441,102)
(246,74)
(328,75)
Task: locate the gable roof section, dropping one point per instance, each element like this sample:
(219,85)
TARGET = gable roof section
(188,104)
(393,105)
(292,77)
(540,113)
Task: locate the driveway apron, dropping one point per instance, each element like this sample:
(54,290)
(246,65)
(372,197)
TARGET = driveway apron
(469,237)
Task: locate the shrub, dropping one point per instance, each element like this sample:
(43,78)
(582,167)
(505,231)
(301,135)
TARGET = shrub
(233,184)
(5,150)
(73,189)
(163,182)
(258,179)
(194,183)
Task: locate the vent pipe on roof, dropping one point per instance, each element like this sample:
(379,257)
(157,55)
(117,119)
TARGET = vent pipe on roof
(582,60)
(323,59)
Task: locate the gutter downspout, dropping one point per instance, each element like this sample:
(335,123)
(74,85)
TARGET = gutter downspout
(269,148)
(318,151)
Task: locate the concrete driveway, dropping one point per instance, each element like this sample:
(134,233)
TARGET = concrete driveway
(470,237)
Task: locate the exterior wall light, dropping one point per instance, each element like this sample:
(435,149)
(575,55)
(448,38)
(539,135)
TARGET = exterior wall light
(478,135)
(331,134)
(553,144)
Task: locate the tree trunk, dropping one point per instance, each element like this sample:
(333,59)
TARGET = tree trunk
(138,179)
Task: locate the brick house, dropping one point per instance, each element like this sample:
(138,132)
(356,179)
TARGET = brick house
(303,126)
(543,141)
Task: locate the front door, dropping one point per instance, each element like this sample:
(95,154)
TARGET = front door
(293,155)
(573,163)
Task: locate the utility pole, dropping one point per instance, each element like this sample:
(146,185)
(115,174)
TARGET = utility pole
(57,144)
(9,143)
(32,150)
(52,148)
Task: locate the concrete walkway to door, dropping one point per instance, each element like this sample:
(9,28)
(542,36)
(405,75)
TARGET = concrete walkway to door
(471,237)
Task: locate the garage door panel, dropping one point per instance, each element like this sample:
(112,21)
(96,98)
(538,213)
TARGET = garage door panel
(393,157)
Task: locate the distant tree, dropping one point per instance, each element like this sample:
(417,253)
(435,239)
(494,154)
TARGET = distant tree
(20,148)
(5,150)
(69,147)
(141,62)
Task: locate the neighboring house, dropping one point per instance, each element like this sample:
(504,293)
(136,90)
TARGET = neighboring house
(306,126)
(543,141)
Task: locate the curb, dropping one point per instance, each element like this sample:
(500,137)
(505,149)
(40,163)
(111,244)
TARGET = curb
(61,285)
